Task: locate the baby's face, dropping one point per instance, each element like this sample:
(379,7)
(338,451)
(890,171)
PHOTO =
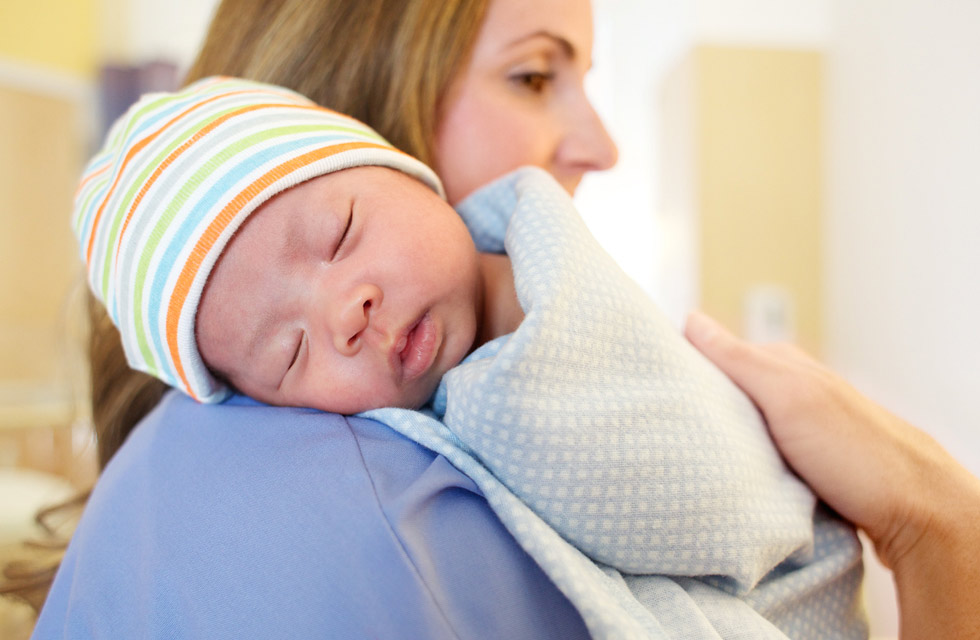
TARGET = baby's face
(354,290)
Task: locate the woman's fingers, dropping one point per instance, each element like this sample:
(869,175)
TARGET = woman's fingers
(840,442)
(874,468)
(918,505)
(759,371)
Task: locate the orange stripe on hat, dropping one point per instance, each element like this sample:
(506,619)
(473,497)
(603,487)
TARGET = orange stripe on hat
(137,148)
(182,148)
(89,178)
(129,156)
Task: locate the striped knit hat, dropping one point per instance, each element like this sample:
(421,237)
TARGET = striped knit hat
(178,175)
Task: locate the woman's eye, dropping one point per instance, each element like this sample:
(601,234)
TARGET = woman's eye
(533,81)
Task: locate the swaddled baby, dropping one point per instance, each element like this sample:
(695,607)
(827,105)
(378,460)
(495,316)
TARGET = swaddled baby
(243,238)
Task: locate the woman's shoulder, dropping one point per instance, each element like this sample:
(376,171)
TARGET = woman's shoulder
(244,519)
(241,440)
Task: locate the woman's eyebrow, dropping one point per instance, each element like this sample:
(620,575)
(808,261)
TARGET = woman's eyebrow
(566,46)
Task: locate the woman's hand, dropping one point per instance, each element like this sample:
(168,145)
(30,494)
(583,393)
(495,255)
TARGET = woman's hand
(919,507)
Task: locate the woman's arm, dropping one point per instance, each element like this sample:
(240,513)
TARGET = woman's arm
(920,508)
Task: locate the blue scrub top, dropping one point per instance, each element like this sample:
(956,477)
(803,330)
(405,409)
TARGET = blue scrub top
(241,520)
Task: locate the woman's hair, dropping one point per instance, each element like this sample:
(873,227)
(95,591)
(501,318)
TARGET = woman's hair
(385,62)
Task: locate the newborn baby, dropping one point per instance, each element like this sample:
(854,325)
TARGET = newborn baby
(242,237)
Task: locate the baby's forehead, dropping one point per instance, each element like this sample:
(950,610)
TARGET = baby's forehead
(359,181)
(316,211)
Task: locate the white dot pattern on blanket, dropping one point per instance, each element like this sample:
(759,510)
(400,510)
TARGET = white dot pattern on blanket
(603,419)
(597,424)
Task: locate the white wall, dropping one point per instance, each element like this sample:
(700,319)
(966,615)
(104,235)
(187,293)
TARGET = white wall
(903,230)
(903,226)
(776,23)
(636,43)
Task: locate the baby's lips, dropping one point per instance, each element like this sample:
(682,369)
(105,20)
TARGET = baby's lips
(419,351)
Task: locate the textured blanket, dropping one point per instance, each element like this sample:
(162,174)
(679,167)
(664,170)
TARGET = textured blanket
(636,474)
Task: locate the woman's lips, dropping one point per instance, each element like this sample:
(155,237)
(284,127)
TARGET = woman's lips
(419,348)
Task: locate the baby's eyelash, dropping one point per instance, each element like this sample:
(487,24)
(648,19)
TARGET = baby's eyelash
(299,346)
(343,236)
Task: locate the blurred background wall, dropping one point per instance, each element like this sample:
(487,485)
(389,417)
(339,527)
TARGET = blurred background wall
(802,169)
(814,177)
(46,67)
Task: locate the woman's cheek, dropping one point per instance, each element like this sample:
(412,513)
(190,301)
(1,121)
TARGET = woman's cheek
(483,139)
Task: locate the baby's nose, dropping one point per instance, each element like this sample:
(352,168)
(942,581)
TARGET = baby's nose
(353,316)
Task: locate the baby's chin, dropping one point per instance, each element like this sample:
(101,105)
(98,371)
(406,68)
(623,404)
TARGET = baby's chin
(415,398)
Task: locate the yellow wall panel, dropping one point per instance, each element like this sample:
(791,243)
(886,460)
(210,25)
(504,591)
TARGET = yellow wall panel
(758,176)
(40,159)
(60,34)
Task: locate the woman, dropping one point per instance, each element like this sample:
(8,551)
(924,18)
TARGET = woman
(231,511)
(260,522)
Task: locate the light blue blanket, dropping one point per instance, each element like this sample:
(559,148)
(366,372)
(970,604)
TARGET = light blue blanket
(636,474)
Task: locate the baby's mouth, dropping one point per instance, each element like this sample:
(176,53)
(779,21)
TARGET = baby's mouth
(417,348)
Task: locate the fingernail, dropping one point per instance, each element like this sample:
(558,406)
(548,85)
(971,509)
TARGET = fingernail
(700,326)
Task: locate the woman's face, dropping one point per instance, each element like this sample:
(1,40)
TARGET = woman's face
(521,99)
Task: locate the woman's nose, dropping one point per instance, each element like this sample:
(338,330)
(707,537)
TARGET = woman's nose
(351,316)
(588,144)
